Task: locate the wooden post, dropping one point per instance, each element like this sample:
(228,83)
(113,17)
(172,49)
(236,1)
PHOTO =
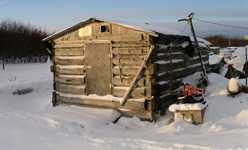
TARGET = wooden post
(137,77)
(189,20)
(3,64)
(246,62)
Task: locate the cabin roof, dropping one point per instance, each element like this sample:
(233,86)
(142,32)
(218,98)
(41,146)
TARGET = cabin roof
(148,28)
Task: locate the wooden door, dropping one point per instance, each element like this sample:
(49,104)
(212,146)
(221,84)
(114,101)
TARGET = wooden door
(98,72)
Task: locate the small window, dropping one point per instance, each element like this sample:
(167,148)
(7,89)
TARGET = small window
(105,28)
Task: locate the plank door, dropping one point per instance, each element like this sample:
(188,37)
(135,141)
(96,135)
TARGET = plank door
(98,71)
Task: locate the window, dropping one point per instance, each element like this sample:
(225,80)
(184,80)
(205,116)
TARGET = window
(105,28)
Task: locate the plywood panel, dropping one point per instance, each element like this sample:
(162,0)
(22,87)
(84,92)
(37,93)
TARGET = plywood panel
(97,57)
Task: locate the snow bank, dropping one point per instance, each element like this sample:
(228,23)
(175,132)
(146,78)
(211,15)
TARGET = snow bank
(30,122)
(238,58)
(186,107)
(214,59)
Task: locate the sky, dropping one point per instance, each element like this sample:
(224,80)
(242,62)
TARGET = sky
(53,15)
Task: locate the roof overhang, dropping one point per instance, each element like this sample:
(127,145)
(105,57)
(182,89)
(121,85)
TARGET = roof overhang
(92,20)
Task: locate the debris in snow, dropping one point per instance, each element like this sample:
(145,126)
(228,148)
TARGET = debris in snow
(233,86)
(22,91)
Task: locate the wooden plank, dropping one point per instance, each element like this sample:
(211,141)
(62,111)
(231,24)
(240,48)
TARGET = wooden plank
(129,61)
(70,79)
(70,69)
(121,51)
(179,74)
(70,89)
(177,65)
(137,76)
(129,45)
(165,88)
(125,70)
(134,107)
(69,60)
(136,93)
(70,42)
(72,45)
(69,51)
(126,81)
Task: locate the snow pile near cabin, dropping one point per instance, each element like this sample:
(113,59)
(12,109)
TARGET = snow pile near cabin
(238,58)
(215,59)
(30,122)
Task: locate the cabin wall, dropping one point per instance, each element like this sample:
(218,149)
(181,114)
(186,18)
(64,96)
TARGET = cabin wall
(128,49)
(172,64)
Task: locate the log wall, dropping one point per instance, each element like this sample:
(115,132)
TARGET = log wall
(172,64)
(128,49)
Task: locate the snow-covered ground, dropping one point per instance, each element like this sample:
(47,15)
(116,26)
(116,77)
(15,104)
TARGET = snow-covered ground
(30,122)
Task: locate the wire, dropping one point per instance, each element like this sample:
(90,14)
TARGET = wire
(221,24)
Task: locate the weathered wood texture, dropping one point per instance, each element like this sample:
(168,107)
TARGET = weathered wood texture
(134,107)
(127,57)
(128,48)
(172,64)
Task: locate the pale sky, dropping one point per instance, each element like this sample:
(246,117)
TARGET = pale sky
(56,14)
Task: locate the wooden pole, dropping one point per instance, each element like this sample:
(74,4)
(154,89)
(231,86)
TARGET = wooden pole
(3,64)
(246,62)
(189,20)
(137,77)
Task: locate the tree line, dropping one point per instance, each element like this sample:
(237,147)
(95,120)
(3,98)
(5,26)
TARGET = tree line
(223,41)
(18,40)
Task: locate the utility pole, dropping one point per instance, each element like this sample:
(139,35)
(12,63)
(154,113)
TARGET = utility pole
(245,69)
(3,62)
(189,21)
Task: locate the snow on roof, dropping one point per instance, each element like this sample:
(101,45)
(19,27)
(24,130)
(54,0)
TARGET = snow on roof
(146,27)
(202,42)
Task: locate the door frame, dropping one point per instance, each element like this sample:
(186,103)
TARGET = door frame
(110,57)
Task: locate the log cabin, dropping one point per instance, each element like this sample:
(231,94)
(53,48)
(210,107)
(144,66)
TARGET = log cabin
(134,69)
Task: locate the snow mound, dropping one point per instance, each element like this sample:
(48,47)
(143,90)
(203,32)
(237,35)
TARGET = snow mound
(186,107)
(238,58)
(233,86)
(214,59)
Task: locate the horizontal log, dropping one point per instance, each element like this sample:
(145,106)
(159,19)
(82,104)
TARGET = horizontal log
(137,92)
(125,70)
(128,70)
(71,45)
(126,81)
(70,89)
(167,56)
(129,45)
(179,73)
(69,60)
(121,51)
(170,86)
(70,79)
(70,69)
(167,66)
(69,51)
(129,42)
(129,61)
(133,107)
(69,42)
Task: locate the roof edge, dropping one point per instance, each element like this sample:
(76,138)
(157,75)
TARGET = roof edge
(91,20)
